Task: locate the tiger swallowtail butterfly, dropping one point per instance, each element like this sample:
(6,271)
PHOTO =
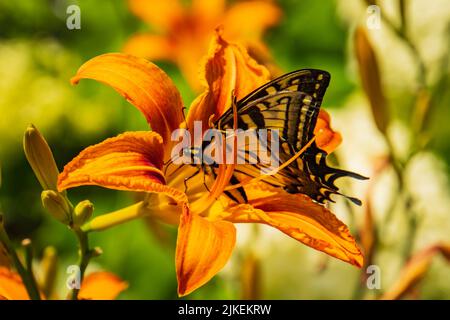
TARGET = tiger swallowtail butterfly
(290,104)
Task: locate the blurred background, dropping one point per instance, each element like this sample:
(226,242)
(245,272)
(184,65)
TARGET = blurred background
(404,148)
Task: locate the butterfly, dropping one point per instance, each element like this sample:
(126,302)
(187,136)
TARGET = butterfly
(289,104)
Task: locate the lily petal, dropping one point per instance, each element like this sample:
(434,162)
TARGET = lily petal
(160,14)
(150,46)
(203,248)
(300,218)
(254,18)
(101,286)
(143,84)
(131,161)
(229,70)
(326,138)
(11,286)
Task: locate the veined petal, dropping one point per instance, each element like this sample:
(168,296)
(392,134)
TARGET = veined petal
(326,138)
(131,161)
(101,286)
(203,248)
(301,218)
(254,18)
(11,286)
(150,46)
(160,14)
(143,84)
(229,70)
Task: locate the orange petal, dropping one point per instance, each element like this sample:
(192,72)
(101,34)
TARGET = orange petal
(149,46)
(131,161)
(160,14)
(203,248)
(228,70)
(254,18)
(143,84)
(101,286)
(11,286)
(301,218)
(326,138)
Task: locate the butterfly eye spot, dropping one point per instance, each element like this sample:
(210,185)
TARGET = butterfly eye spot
(320,77)
(317,86)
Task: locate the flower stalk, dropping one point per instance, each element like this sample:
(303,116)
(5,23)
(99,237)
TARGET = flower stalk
(85,255)
(41,160)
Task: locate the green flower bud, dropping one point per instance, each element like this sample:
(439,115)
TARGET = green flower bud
(40,158)
(49,266)
(57,205)
(82,212)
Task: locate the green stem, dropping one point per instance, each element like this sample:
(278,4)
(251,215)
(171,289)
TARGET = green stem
(402,34)
(85,255)
(26,275)
(26,243)
(412,229)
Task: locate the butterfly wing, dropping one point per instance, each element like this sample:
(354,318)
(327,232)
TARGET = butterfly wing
(300,115)
(290,104)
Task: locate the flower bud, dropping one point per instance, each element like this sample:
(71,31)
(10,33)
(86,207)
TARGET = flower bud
(82,212)
(49,266)
(40,158)
(57,205)
(371,79)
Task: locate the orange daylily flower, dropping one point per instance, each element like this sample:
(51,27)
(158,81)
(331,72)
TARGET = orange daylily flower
(183,33)
(137,161)
(96,286)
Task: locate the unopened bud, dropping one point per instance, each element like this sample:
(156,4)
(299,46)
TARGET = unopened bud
(57,205)
(40,158)
(49,267)
(82,212)
(97,251)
